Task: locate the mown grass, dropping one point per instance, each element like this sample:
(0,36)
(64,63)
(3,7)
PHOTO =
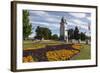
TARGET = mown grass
(39,44)
(85,53)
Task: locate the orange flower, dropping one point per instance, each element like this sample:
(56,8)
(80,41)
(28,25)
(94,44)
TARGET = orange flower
(76,46)
(28,59)
(60,54)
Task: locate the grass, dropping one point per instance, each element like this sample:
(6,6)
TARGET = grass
(39,44)
(85,53)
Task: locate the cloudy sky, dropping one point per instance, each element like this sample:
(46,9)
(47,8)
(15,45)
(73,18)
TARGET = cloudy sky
(51,20)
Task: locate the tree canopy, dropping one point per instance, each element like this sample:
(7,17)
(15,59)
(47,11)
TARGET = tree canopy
(76,33)
(27,26)
(82,36)
(42,32)
(70,34)
(55,37)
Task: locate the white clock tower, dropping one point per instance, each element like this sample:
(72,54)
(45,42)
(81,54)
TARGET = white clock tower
(63,30)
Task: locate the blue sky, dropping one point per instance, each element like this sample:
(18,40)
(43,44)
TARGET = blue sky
(51,20)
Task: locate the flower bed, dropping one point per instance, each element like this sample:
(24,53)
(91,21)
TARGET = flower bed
(62,55)
(76,46)
(28,59)
(50,53)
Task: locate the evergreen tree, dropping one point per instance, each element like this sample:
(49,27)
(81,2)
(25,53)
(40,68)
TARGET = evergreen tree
(82,36)
(76,33)
(70,34)
(27,27)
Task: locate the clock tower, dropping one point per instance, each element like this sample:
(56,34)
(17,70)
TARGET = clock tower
(63,31)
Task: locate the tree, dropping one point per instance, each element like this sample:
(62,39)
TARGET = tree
(55,37)
(70,34)
(82,36)
(38,33)
(46,33)
(27,27)
(42,32)
(76,34)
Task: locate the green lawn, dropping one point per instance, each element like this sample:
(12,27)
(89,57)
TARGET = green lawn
(39,44)
(85,53)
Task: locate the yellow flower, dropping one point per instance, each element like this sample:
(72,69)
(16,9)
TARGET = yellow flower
(76,46)
(60,54)
(28,59)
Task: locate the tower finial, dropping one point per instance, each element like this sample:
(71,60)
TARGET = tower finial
(62,19)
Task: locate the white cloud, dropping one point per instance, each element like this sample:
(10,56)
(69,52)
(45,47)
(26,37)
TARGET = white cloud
(77,21)
(52,19)
(44,15)
(45,24)
(78,25)
(78,15)
(39,23)
(89,18)
(70,23)
(40,13)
